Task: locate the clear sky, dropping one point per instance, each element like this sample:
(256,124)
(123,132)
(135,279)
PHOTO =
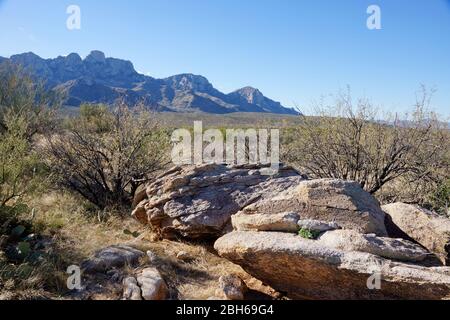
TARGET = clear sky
(294,51)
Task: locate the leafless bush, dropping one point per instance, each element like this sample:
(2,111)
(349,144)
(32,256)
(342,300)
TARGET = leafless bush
(106,154)
(355,143)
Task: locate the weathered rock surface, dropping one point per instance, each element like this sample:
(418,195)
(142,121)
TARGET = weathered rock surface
(231,287)
(152,284)
(283,222)
(131,290)
(112,257)
(307,269)
(343,203)
(317,225)
(198,201)
(427,228)
(397,249)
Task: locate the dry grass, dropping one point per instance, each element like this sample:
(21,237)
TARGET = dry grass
(195,279)
(76,233)
(198,277)
(72,234)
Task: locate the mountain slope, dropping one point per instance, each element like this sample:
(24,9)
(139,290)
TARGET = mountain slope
(98,79)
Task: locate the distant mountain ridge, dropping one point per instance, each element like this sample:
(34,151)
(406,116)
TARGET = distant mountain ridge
(98,79)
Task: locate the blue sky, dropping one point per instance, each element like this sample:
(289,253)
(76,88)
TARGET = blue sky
(294,51)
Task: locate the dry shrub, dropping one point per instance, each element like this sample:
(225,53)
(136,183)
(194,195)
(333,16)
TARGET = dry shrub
(106,154)
(356,143)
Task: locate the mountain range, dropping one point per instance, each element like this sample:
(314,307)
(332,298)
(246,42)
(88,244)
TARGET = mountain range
(98,79)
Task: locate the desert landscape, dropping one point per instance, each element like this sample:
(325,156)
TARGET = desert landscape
(119,185)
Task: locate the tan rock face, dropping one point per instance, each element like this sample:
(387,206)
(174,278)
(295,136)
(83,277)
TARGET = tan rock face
(350,240)
(352,256)
(425,227)
(283,222)
(317,225)
(306,269)
(335,201)
(153,286)
(198,201)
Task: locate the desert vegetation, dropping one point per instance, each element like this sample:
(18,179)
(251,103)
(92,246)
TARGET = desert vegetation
(67,182)
(395,157)
(106,154)
(57,177)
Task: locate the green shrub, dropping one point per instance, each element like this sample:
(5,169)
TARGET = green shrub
(25,97)
(20,168)
(440,199)
(308,234)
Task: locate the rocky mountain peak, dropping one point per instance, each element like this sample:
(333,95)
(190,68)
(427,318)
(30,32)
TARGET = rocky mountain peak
(96,56)
(74,58)
(250,94)
(25,58)
(189,82)
(98,79)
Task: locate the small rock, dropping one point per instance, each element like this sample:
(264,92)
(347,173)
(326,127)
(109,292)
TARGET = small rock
(231,287)
(112,257)
(153,286)
(131,290)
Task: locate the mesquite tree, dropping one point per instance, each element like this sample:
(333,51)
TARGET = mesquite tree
(105,154)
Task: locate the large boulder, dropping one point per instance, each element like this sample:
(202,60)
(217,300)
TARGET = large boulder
(198,201)
(427,228)
(341,203)
(309,269)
